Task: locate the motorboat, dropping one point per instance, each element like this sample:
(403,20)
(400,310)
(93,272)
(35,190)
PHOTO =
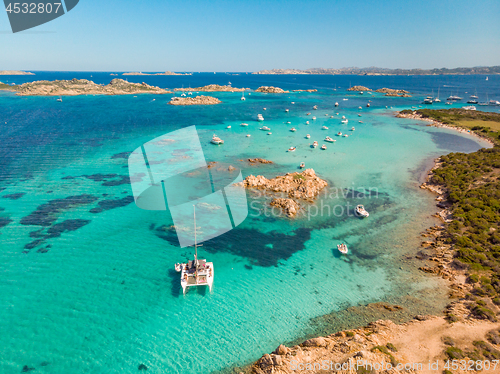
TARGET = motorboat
(308,136)
(339,134)
(368,105)
(359,107)
(308,114)
(59,99)
(293,129)
(228,127)
(454,98)
(359,115)
(336,104)
(244,124)
(302,165)
(265,128)
(343,117)
(314,118)
(288,122)
(352,129)
(360,121)
(323,147)
(473,100)
(287,110)
(344,121)
(342,248)
(330,140)
(243,96)
(307,122)
(216,140)
(315,107)
(360,211)
(292,149)
(264,108)
(315,144)
(269,133)
(469,107)
(248,135)
(428,100)
(345,135)
(324,128)
(260,118)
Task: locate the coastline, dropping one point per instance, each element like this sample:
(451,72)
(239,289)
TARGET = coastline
(422,339)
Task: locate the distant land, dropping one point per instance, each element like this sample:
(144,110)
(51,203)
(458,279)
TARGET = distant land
(165,73)
(383,71)
(15,72)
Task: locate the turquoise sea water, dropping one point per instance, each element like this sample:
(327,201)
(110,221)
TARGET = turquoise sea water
(87,281)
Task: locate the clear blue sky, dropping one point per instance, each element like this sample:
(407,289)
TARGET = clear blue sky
(239,35)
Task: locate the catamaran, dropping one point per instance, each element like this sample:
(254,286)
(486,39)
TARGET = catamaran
(197,272)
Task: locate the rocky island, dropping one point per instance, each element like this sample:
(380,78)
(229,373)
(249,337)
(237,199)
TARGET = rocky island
(213,88)
(197,100)
(76,87)
(15,72)
(270,89)
(358,88)
(297,186)
(165,73)
(387,91)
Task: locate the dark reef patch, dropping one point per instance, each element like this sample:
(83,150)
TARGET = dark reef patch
(262,249)
(121,155)
(46,214)
(112,204)
(67,225)
(4,221)
(14,196)
(124,180)
(99,177)
(34,243)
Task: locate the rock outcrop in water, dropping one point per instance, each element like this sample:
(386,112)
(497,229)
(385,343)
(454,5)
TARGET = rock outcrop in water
(259,161)
(197,100)
(392,92)
(213,88)
(358,88)
(15,72)
(270,89)
(84,87)
(297,186)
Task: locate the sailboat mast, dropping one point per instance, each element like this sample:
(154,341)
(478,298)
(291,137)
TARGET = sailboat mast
(195,244)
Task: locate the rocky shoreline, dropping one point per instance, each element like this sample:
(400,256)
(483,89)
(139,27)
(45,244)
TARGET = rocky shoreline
(76,87)
(197,100)
(432,122)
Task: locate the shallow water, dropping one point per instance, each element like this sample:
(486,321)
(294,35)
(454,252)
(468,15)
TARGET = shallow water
(87,278)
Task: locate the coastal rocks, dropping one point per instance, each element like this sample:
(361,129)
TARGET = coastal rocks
(259,161)
(305,185)
(84,87)
(197,100)
(358,88)
(288,206)
(281,350)
(15,72)
(213,88)
(270,89)
(391,91)
(315,342)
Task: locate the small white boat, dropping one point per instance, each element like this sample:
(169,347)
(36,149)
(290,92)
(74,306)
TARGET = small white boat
(336,104)
(293,129)
(228,127)
(326,114)
(339,134)
(345,135)
(269,133)
(288,122)
(360,121)
(361,92)
(302,165)
(315,107)
(293,102)
(315,144)
(308,136)
(469,107)
(308,114)
(287,110)
(216,140)
(328,139)
(331,116)
(190,93)
(345,121)
(360,211)
(292,149)
(265,128)
(345,99)
(352,129)
(324,128)
(264,108)
(244,124)
(342,248)
(359,115)
(314,118)
(323,147)
(260,118)
(248,135)
(183,94)
(307,122)
(368,105)
(60,99)
(360,107)
(243,96)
